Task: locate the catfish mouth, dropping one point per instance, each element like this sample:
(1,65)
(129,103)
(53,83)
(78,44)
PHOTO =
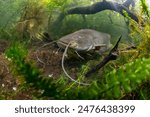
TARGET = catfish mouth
(62,43)
(72,44)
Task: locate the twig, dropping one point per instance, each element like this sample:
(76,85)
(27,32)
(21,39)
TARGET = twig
(113,54)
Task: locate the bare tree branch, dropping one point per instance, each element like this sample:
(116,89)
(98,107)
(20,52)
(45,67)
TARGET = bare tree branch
(101,6)
(113,54)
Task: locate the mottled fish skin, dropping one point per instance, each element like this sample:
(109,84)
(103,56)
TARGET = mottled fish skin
(85,40)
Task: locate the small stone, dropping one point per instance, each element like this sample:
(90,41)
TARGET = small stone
(14,88)
(3,85)
(50,75)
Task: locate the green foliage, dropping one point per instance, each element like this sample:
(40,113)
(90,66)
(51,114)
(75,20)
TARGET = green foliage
(57,89)
(144,91)
(127,78)
(57,4)
(141,31)
(145,7)
(144,45)
(17,53)
(115,84)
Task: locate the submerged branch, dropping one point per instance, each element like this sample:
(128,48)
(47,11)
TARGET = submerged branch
(113,54)
(98,7)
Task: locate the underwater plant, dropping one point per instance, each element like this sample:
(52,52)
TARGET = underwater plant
(115,84)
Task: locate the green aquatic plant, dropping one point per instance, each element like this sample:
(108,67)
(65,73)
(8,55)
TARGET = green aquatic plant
(17,54)
(140,31)
(115,85)
(145,8)
(127,78)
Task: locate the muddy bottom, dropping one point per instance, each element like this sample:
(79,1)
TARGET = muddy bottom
(47,59)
